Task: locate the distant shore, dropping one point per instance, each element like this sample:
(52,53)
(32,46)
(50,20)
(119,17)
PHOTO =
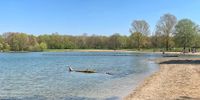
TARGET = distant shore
(110,50)
(74,50)
(177,79)
(99,50)
(107,50)
(86,50)
(120,50)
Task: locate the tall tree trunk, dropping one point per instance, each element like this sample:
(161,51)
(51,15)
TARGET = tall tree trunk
(138,45)
(184,48)
(167,44)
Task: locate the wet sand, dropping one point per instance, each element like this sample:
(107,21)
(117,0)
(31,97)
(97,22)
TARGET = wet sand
(177,79)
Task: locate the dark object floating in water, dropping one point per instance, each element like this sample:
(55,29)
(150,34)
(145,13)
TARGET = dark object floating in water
(70,69)
(109,73)
(82,71)
(86,71)
(167,55)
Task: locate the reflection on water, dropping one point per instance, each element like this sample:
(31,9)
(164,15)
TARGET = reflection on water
(44,76)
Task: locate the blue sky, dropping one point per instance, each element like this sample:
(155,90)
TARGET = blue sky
(102,17)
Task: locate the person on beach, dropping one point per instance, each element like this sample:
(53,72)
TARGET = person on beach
(163,52)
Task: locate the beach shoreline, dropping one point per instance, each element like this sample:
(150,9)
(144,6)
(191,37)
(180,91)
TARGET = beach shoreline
(120,50)
(176,79)
(110,50)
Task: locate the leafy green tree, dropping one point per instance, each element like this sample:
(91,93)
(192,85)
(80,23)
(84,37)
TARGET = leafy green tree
(23,41)
(1,43)
(196,40)
(165,27)
(124,42)
(185,33)
(43,46)
(155,41)
(6,47)
(1,47)
(93,42)
(114,41)
(140,30)
(17,41)
(32,40)
(13,41)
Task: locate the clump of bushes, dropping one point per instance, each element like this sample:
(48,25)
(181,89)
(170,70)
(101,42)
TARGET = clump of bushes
(38,47)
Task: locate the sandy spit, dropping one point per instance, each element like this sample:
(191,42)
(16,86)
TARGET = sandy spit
(177,79)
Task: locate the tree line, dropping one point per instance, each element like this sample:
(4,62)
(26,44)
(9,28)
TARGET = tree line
(169,33)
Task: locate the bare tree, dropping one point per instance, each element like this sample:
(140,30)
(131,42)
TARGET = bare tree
(140,26)
(139,30)
(166,26)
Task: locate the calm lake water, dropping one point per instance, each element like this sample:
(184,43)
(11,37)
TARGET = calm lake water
(45,76)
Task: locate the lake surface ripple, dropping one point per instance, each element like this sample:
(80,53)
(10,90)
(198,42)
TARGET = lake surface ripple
(45,76)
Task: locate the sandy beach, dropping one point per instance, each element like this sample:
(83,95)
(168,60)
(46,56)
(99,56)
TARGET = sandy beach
(99,50)
(87,50)
(177,79)
(123,50)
